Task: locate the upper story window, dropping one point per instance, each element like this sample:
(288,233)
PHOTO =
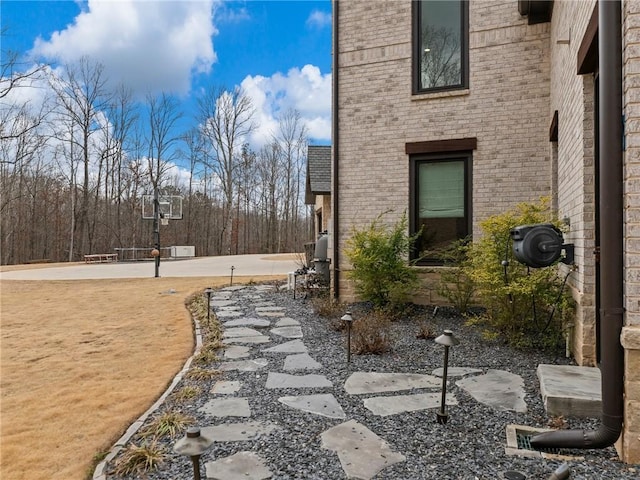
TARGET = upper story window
(441,51)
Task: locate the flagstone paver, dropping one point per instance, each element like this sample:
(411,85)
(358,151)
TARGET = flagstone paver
(287,322)
(375,382)
(253,339)
(252,365)
(324,404)
(226,387)
(239,466)
(284,380)
(269,309)
(361,452)
(227,407)
(499,389)
(220,295)
(236,351)
(228,313)
(300,361)
(248,322)
(293,346)
(287,332)
(238,432)
(240,332)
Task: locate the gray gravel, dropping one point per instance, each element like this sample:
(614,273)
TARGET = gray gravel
(471,445)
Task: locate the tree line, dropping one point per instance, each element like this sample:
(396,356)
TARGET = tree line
(75,164)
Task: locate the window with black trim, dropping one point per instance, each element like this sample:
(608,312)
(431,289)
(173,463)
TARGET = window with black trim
(441,52)
(440,202)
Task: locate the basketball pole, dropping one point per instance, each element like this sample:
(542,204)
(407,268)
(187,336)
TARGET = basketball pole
(156,229)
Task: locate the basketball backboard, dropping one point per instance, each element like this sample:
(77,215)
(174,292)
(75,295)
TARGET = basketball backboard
(169,207)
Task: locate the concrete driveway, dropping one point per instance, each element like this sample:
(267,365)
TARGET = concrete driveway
(245,265)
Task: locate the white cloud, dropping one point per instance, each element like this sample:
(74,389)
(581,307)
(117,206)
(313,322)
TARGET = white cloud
(227,14)
(307,90)
(319,19)
(151,46)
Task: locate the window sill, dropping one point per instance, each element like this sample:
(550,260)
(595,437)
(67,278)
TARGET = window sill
(423,269)
(417,97)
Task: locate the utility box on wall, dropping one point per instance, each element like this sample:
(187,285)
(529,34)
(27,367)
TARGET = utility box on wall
(183,251)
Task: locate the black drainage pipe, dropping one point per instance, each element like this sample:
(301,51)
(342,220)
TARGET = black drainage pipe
(611,226)
(335,140)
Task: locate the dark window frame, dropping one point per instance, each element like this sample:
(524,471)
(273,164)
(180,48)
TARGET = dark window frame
(417,50)
(415,160)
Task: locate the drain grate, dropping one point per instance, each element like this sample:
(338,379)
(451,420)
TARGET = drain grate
(524,443)
(519,443)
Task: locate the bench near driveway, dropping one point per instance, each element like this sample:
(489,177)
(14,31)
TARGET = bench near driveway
(101,258)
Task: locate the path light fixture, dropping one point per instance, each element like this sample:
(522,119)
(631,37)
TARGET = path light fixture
(447,340)
(232,269)
(208,291)
(349,320)
(193,445)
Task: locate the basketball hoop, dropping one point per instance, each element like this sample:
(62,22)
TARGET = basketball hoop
(164,221)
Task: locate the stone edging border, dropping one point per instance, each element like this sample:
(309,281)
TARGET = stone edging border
(99,473)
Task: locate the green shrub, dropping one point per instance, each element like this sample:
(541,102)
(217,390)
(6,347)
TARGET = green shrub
(455,284)
(137,460)
(381,271)
(168,423)
(525,305)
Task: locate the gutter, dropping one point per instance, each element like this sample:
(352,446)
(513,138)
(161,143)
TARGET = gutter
(611,242)
(335,134)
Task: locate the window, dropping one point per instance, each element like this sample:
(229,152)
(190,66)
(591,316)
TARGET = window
(440,202)
(440,45)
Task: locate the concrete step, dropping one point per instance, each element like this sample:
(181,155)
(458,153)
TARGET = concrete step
(570,391)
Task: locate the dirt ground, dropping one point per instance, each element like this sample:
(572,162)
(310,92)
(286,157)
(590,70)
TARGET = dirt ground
(80,361)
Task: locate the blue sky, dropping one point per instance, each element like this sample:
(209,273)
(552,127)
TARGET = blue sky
(278,51)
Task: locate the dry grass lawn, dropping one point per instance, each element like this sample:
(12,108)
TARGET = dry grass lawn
(80,361)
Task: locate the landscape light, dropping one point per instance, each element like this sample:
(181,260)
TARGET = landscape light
(447,340)
(192,445)
(349,319)
(208,291)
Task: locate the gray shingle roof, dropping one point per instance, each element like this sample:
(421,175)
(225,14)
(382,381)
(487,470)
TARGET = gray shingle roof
(318,172)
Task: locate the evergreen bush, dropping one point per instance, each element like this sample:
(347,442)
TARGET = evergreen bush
(382,273)
(528,306)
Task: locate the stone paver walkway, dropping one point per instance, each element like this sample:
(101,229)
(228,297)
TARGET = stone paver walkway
(248,333)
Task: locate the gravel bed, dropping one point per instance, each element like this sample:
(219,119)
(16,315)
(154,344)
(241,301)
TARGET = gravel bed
(470,446)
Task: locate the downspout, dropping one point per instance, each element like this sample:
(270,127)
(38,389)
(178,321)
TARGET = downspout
(335,135)
(611,241)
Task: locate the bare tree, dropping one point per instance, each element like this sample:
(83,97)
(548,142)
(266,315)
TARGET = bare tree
(268,173)
(440,57)
(291,138)
(81,95)
(195,159)
(226,118)
(117,132)
(12,72)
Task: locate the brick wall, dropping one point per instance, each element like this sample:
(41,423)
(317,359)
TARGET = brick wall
(508,81)
(573,97)
(629,445)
